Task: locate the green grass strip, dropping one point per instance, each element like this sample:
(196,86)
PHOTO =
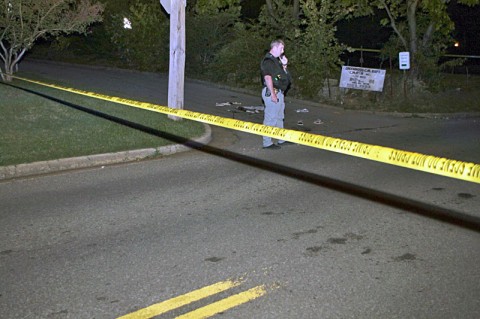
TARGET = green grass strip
(34,128)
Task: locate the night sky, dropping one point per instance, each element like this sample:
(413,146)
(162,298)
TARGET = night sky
(467,28)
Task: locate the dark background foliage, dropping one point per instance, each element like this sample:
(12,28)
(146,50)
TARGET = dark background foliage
(226,40)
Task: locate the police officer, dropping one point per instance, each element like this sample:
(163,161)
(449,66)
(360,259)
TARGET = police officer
(276,81)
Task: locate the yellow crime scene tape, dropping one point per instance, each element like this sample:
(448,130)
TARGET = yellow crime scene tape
(466,171)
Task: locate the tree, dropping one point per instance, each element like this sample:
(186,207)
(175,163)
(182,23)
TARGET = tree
(143,46)
(272,12)
(211,6)
(23,22)
(421,27)
(280,17)
(308,27)
(238,61)
(318,48)
(210,26)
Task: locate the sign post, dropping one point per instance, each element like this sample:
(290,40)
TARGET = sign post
(404,64)
(176,70)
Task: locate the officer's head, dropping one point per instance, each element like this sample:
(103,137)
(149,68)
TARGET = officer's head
(277,47)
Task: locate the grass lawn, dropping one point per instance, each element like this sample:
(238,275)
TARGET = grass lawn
(34,128)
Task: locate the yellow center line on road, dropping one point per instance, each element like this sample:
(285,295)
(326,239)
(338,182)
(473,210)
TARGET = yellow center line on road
(180,301)
(225,304)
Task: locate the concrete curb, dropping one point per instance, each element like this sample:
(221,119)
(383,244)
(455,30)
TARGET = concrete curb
(46,167)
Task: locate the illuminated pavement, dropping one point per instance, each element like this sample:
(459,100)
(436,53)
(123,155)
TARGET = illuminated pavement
(307,233)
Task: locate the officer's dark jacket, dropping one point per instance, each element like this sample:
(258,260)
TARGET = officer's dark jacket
(272,66)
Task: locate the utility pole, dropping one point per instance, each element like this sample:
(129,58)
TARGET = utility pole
(176,70)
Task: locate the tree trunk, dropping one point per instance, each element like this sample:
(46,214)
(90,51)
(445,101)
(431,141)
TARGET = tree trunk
(413,42)
(296,9)
(412,26)
(11,61)
(270,8)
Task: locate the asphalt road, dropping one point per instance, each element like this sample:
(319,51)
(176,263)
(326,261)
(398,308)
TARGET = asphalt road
(322,234)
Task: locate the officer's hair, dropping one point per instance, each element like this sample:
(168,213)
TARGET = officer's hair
(276,42)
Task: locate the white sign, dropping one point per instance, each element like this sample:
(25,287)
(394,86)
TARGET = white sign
(404,60)
(362,78)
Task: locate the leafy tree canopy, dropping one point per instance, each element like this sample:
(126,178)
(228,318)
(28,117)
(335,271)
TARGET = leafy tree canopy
(22,22)
(212,6)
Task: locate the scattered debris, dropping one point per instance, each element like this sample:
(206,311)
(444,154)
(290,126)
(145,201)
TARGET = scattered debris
(239,107)
(318,121)
(227,103)
(302,111)
(300,123)
(251,109)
